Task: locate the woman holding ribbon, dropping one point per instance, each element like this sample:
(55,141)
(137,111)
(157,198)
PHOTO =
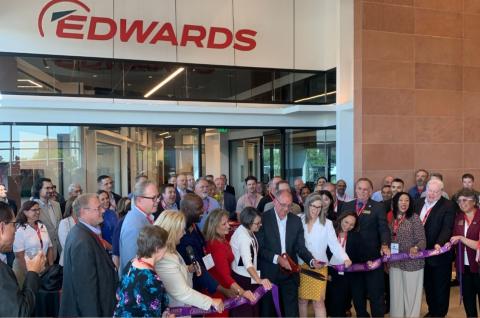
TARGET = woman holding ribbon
(406,277)
(31,237)
(338,295)
(319,234)
(175,275)
(215,230)
(141,292)
(466,231)
(245,252)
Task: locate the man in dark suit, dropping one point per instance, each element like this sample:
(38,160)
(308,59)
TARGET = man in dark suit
(373,241)
(181,188)
(337,205)
(229,202)
(90,278)
(228,188)
(437,215)
(282,232)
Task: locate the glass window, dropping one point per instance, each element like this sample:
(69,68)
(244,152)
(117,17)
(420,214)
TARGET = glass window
(108,163)
(309,155)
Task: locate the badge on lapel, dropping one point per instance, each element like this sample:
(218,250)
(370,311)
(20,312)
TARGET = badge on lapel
(366,212)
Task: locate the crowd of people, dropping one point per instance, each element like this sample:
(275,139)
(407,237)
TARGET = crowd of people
(196,243)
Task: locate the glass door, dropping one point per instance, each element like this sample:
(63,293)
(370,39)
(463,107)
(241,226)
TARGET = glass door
(244,162)
(272,156)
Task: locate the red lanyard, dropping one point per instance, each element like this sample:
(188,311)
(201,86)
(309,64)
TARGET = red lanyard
(360,211)
(466,219)
(396,225)
(150,266)
(426,215)
(250,201)
(344,242)
(39,234)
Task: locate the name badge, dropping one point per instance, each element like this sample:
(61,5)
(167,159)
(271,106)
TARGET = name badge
(394,248)
(253,280)
(208,261)
(366,212)
(341,273)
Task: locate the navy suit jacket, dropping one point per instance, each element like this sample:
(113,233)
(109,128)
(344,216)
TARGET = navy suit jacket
(230,204)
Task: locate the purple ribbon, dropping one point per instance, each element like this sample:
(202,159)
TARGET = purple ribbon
(376,263)
(459,269)
(231,303)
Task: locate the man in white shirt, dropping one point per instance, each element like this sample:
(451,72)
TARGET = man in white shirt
(342,191)
(278,224)
(438,216)
(377,196)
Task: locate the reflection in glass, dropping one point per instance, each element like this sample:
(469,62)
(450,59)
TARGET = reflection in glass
(108,163)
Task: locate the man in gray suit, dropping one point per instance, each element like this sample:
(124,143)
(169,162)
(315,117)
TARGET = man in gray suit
(90,277)
(146,198)
(50,213)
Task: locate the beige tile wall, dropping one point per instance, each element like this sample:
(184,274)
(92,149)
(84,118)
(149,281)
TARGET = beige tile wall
(417,88)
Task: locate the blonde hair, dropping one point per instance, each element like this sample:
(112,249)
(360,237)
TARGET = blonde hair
(174,223)
(210,227)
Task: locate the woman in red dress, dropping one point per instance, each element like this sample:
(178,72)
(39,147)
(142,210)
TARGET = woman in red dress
(215,229)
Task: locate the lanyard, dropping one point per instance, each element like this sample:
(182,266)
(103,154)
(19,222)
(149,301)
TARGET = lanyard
(343,242)
(396,225)
(466,218)
(250,201)
(150,266)
(426,215)
(360,211)
(39,234)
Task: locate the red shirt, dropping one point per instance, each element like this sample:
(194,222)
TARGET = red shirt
(222,256)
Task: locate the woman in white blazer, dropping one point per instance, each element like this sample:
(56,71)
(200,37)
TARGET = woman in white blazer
(172,270)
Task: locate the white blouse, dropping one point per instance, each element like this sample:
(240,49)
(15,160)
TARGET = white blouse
(243,244)
(321,237)
(26,238)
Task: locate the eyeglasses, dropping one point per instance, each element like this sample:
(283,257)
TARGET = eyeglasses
(464,200)
(318,207)
(97,209)
(154,199)
(257,223)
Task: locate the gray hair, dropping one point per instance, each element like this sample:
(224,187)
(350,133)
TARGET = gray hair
(435,182)
(322,217)
(82,202)
(140,187)
(73,186)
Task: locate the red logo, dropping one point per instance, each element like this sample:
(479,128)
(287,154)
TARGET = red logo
(80,25)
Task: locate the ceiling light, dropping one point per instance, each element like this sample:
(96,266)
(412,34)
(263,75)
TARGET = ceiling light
(166,137)
(313,97)
(33,84)
(165,81)
(164,133)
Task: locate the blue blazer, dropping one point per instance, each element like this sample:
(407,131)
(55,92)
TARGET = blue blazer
(134,222)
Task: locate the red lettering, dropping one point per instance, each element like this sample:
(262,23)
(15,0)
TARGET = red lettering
(195,38)
(63,26)
(136,26)
(242,36)
(166,33)
(92,30)
(211,38)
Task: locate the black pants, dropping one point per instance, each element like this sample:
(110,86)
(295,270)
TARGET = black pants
(371,285)
(288,294)
(471,290)
(338,296)
(436,281)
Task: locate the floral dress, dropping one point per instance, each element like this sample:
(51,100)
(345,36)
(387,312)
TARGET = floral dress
(141,294)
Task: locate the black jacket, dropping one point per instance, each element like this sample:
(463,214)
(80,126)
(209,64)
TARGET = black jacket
(373,230)
(269,245)
(438,228)
(15,302)
(89,276)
